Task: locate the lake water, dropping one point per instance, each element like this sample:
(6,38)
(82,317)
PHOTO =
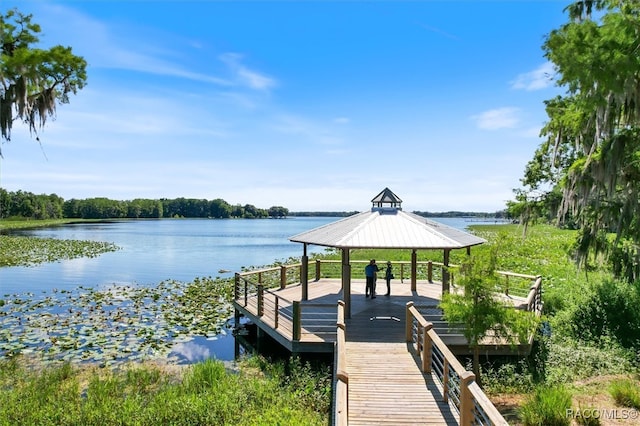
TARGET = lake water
(155,250)
(152,251)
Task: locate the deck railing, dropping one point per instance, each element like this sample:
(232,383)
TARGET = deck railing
(284,275)
(341,376)
(327,268)
(293,319)
(458,384)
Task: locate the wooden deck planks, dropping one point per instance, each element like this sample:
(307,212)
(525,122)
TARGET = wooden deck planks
(329,291)
(386,386)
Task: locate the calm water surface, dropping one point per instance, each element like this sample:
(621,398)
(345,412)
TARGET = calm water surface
(156,250)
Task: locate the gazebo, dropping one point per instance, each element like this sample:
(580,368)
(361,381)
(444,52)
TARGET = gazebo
(385,226)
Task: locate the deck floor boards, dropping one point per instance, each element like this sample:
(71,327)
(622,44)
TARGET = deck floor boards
(384,310)
(386,385)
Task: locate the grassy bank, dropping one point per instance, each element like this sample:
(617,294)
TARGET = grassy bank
(256,393)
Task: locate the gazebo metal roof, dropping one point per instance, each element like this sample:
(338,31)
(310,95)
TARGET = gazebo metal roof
(387,228)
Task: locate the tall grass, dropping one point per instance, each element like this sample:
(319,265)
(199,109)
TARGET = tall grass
(206,394)
(626,393)
(548,406)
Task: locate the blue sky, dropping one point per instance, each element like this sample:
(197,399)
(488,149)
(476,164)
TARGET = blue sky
(307,105)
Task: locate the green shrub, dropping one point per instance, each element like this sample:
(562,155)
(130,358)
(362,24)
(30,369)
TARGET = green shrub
(609,308)
(548,406)
(509,377)
(626,393)
(569,360)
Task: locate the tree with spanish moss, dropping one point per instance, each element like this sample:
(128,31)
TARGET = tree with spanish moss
(33,80)
(591,152)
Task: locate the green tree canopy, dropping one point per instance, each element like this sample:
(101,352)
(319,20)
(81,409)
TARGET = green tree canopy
(34,80)
(591,154)
(479,309)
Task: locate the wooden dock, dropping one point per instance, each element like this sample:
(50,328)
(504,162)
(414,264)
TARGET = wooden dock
(395,357)
(386,385)
(274,313)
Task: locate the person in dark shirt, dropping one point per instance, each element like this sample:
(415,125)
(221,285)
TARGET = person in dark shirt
(388,275)
(371,273)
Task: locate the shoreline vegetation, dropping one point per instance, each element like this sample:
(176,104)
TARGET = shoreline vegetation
(21,205)
(586,355)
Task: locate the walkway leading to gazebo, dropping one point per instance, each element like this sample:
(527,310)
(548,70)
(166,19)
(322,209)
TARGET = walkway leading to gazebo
(394,356)
(385,382)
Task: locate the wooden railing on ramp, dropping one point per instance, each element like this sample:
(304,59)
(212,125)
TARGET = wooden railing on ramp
(458,384)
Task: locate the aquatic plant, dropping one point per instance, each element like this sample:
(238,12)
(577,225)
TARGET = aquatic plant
(30,251)
(113,324)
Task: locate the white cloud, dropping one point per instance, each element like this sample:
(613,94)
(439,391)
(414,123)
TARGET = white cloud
(499,118)
(540,78)
(246,76)
(119,46)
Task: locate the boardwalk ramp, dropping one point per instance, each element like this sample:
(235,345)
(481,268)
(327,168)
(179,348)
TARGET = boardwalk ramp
(386,384)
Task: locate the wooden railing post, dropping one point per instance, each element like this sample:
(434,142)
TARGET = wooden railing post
(277,313)
(304,277)
(260,300)
(466,399)
(414,269)
(260,277)
(236,286)
(506,287)
(318,269)
(302,270)
(246,292)
(426,349)
(297,321)
(409,323)
(283,276)
(401,272)
(445,380)
(342,376)
(430,271)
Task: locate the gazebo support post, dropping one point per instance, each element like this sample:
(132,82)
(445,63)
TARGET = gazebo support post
(414,270)
(304,273)
(346,283)
(445,272)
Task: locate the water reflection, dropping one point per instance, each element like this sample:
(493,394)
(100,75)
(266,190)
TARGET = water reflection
(191,352)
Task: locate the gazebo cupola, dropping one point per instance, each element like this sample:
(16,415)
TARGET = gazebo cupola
(386,201)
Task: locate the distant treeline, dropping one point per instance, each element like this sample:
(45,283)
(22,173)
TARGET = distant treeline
(476,215)
(21,204)
(323,214)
